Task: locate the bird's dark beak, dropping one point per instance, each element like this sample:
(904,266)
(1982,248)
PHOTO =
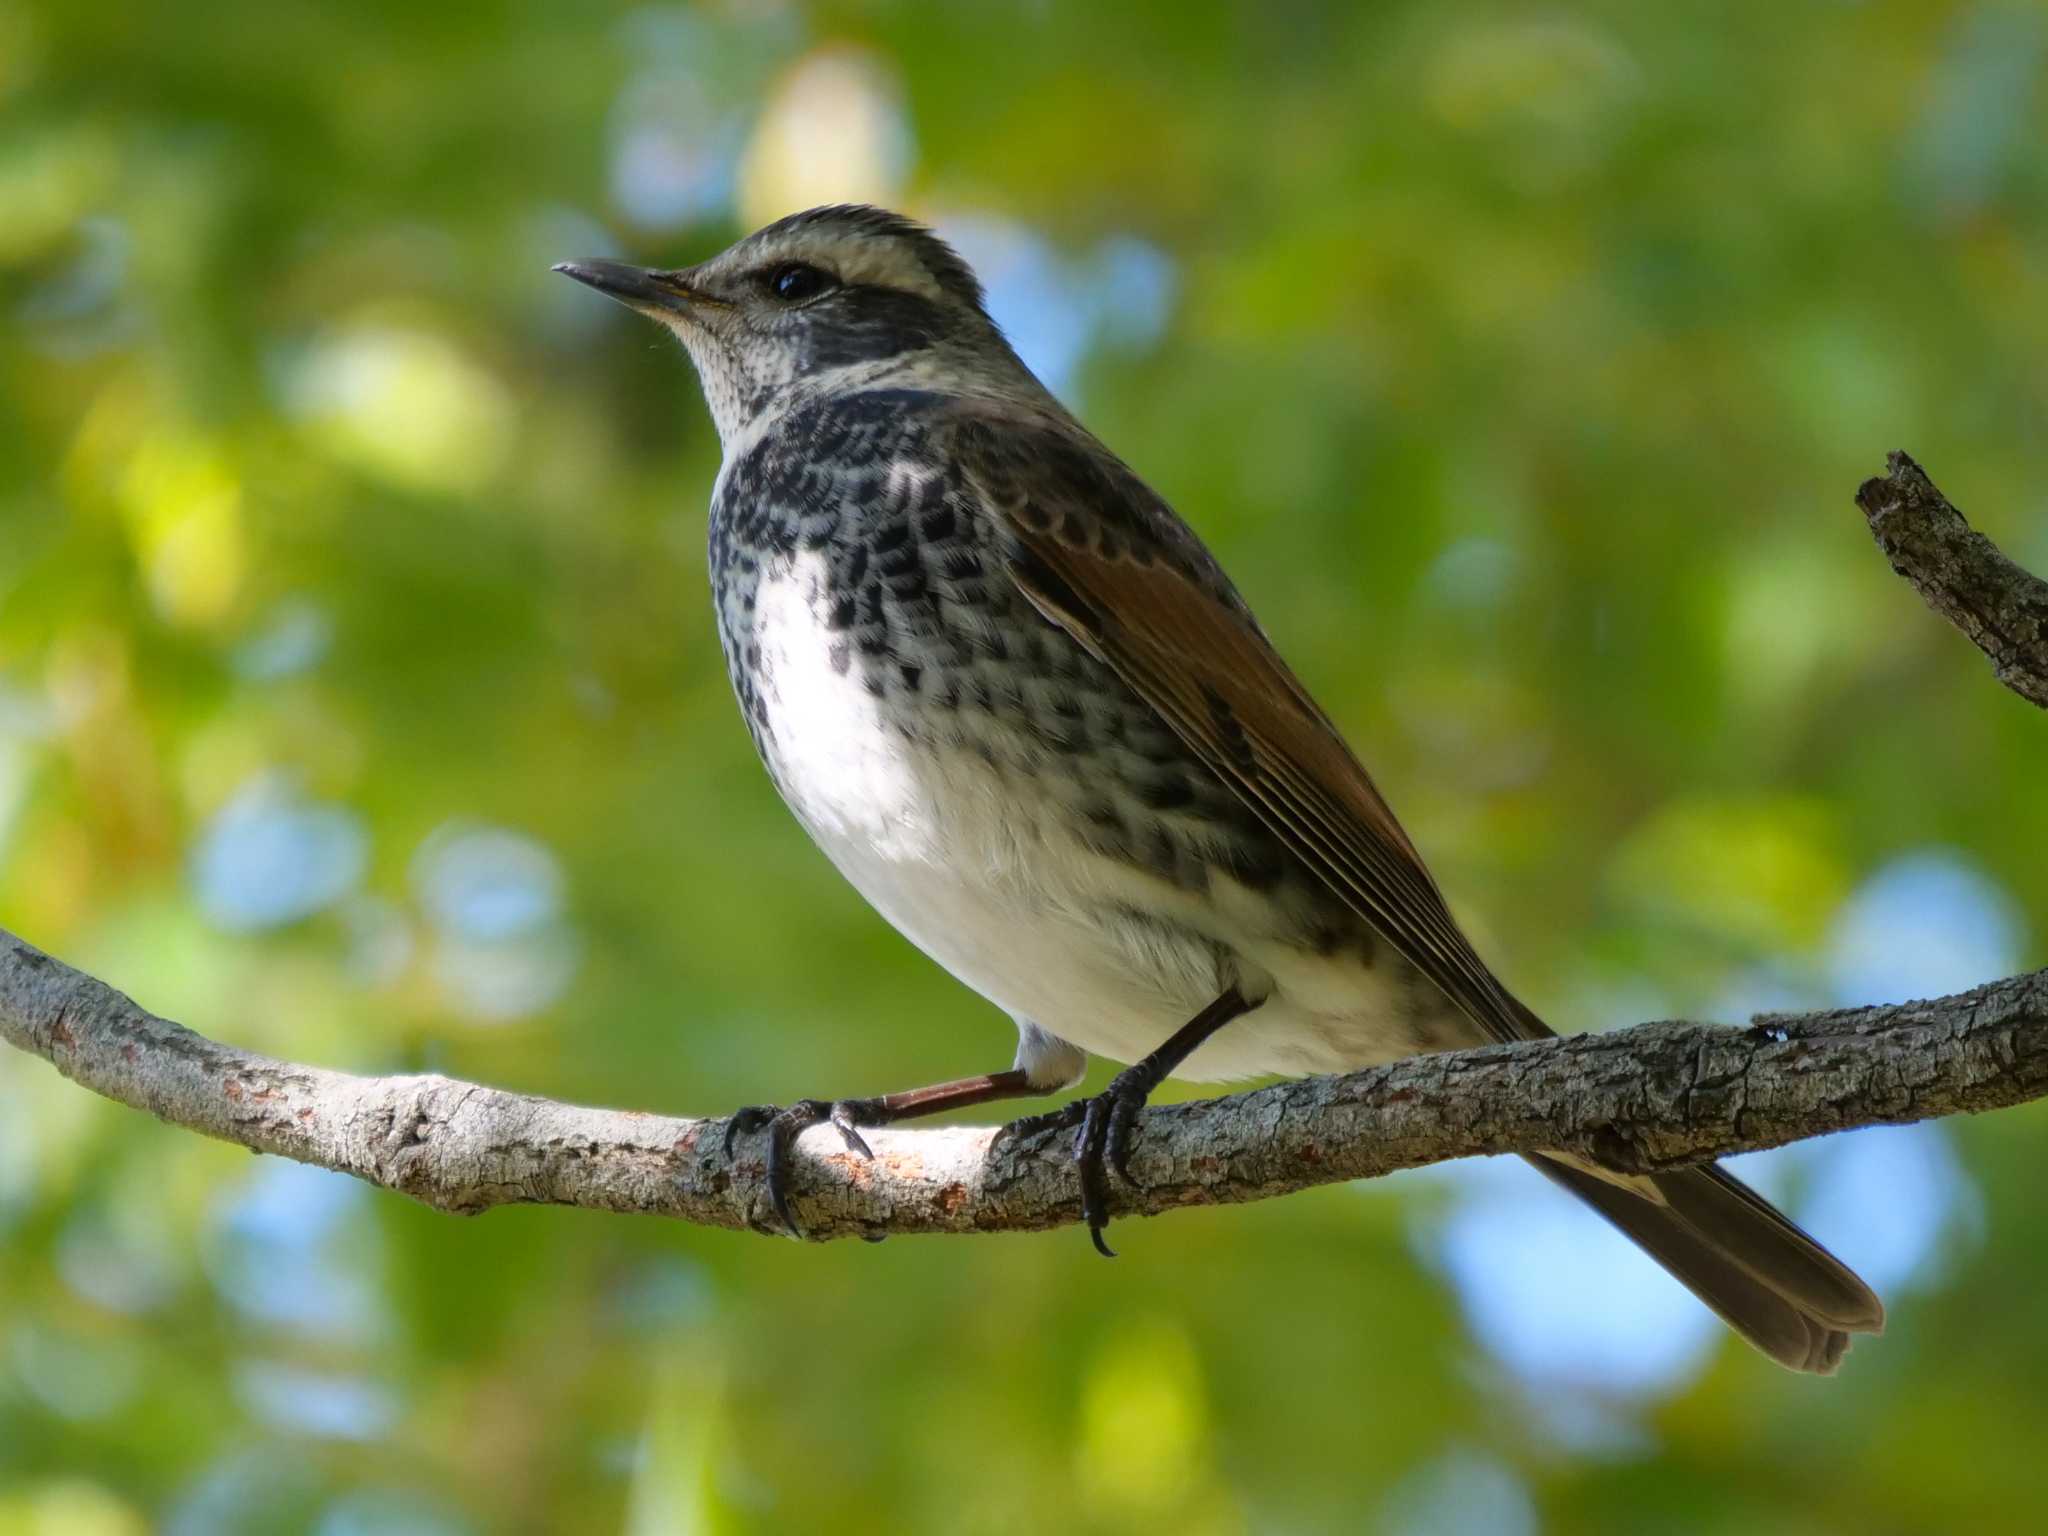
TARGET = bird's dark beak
(640,288)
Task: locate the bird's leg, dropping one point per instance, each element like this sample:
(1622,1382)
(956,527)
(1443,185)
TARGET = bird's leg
(847,1116)
(1102,1125)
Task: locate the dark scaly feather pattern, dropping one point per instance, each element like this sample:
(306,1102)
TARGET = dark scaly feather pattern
(920,608)
(1104,557)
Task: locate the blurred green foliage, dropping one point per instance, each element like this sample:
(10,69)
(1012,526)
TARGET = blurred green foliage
(359,703)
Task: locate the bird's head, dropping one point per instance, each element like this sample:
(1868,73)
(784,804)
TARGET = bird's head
(836,297)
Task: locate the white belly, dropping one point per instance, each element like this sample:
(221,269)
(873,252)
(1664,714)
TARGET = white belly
(978,864)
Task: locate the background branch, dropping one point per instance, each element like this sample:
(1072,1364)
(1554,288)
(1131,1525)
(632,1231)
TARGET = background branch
(1962,574)
(1649,1097)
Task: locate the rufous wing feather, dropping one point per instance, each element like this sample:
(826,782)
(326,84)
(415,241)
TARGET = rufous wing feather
(1098,554)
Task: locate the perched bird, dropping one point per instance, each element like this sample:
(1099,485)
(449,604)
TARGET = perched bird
(1021,707)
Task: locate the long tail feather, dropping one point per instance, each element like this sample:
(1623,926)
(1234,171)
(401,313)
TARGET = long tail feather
(1730,1247)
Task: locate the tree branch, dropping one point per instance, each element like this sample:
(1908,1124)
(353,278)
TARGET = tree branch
(1655,1096)
(1962,574)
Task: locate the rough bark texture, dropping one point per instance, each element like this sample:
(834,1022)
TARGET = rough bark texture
(1650,1097)
(2002,608)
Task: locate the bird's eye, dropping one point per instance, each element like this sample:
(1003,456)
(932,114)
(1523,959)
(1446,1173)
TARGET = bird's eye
(795,281)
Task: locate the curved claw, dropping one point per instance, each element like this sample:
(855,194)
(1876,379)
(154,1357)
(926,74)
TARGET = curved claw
(1107,1120)
(785,1125)
(1123,1118)
(1102,1141)
(1089,1146)
(745,1122)
(783,1131)
(847,1116)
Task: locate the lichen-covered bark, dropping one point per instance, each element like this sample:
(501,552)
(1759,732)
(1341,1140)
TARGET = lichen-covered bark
(1648,1097)
(1962,574)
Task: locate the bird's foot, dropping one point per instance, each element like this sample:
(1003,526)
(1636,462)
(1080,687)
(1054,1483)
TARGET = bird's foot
(784,1126)
(1024,1127)
(1102,1140)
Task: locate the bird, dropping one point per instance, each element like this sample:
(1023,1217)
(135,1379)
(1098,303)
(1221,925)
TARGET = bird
(1018,703)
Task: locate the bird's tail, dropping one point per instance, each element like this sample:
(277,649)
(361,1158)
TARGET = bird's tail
(1740,1255)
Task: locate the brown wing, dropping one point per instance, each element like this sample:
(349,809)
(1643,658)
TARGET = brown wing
(1099,554)
(1104,558)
